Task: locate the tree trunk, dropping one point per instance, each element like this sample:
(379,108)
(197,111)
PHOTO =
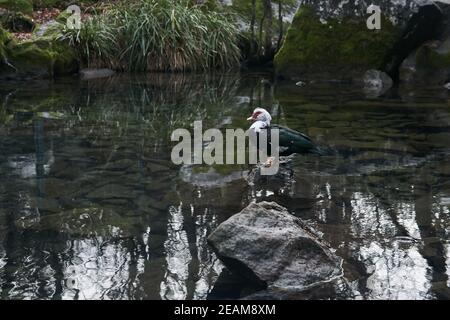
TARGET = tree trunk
(252,28)
(261,27)
(280,21)
(268,29)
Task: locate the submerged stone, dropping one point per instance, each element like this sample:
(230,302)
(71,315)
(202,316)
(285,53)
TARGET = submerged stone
(376,83)
(111,191)
(97,221)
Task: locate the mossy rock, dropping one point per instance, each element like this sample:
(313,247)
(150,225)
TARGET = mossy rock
(335,46)
(17,22)
(24,6)
(428,58)
(49,30)
(43,57)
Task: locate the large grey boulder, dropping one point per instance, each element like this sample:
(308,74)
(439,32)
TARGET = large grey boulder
(274,249)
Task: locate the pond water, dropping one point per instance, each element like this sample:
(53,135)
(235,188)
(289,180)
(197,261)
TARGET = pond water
(91,206)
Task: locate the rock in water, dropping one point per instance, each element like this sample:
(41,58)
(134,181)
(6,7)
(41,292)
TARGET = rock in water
(272,248)
(376,83)
(89,74)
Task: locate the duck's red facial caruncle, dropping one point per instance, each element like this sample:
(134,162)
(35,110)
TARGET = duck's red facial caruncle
(254,116)
(260,114)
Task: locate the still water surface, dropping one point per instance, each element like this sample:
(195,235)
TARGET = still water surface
(91,206)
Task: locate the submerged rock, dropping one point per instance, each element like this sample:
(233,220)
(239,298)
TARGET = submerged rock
(376,83)
(84,222)
(271,248)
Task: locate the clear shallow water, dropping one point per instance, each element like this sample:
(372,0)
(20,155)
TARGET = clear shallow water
(88,192)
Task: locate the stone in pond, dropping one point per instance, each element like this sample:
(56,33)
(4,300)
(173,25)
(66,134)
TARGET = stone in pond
(271,248)
(88,74)
(376,83)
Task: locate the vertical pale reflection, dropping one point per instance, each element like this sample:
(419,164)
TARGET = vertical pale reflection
(178,257)
(447,263)
(395,266)
(398,272)
(100,272)
(209,266)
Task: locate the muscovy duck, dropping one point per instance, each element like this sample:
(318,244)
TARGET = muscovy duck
(290,141)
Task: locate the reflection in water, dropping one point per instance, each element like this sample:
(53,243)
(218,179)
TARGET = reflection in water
(178,258)
(91,206)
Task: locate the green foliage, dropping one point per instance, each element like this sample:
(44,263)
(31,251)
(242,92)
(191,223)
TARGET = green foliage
(313,46)
(24,6)
(257,24)
(159,35)
(95,43)
(4,39)
(244,8)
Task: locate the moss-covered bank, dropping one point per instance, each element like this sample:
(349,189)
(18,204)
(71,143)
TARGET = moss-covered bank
(41,57)
(333,46)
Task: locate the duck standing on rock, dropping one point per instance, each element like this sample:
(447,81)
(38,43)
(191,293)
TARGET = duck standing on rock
(290,141)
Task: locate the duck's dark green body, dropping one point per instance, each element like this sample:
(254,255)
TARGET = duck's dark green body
(292,141)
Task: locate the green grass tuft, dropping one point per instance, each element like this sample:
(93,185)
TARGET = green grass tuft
(163,35)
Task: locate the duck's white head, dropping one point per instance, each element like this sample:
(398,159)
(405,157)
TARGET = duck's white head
(260,114)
